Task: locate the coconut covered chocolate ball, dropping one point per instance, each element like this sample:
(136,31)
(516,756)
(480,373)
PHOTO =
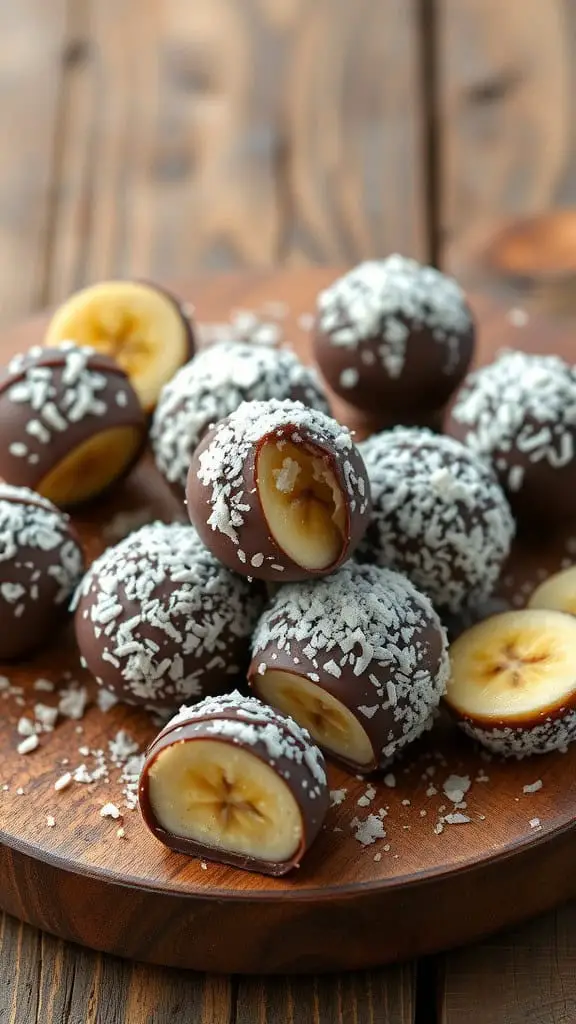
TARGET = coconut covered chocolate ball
(41,563)
(359,659)
(71,422)
(394,338)
(234,781)
(279,492)
(520,413)
(160,621)
(439,516)
(213,385)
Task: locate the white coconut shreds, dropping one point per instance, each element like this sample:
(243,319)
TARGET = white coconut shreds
(222,463)
(439,515)
(160,613)
(213,385)
(36,543)
(60,387)
(383,299)
(519,409)
(378,629)
(247,721)
(550,734)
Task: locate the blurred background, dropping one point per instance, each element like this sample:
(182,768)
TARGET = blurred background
(165,137)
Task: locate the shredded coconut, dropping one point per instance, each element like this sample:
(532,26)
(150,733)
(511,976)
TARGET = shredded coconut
(439,515)
(384,300)
(213,385)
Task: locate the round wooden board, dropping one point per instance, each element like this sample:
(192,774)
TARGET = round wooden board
(349,906)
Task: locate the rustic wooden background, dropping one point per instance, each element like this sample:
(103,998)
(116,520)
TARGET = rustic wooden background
(157,137)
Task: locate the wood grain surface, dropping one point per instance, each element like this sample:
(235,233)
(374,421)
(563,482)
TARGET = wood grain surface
(131,897)
(76,203)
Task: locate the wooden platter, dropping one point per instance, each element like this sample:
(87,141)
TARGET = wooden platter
(426,886)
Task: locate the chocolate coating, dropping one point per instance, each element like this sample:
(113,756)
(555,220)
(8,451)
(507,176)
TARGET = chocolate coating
(213,385)
(520,414)
(159,621)
(368,638)
(52,401)
(439,515)
(394,338)
(273,738)
(41,563)
(222,489)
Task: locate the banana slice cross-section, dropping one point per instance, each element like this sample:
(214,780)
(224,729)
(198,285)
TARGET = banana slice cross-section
(517,669)
(557,592)
(138,324)
(224,797)
(302,503)
(331,724)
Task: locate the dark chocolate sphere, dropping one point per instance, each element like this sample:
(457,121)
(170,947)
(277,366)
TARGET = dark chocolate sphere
(159,621)
(439,515)
(212,385)
(71,422)
(41,563)
(279,491)
(394,338)
(358,658)
(520,414)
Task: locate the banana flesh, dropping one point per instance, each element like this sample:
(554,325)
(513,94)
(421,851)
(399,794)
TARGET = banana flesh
(557,592)
(514,666)
(223,796)
(90,468)
(303,504)
(330,723)
(136,324)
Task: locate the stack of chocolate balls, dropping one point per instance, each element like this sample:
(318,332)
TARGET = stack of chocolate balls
(317,571)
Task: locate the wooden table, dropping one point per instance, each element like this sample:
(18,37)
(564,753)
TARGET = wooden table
(157,137)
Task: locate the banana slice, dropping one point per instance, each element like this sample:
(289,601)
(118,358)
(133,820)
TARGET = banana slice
(224,797)
(92,467)
(557,592)
(141,326)
(303,504)
(513,681)
(328,721)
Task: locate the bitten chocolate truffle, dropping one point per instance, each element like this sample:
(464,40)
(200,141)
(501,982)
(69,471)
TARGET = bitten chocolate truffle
(359,659)
(71,423)
(394,338)
(520,413)
(41,563)
(160,621)
(213,385)
(278,491)
(145,328)
(439,516)
(234,781)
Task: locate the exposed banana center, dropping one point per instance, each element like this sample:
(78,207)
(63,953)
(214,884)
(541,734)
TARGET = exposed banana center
(223,796)
(558,592)
(302,502)
(514,665)
(134,323)
(330,722)
(88,470)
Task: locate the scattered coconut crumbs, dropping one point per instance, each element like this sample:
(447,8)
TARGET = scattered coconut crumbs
(63,782)
(29,744)
(110,811)
(535,823)
(533,787)
(369,830)
(337,796)
(390,780)
(50,821)
(455,787)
